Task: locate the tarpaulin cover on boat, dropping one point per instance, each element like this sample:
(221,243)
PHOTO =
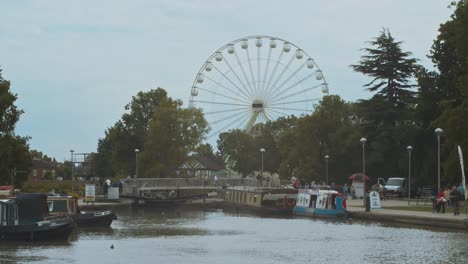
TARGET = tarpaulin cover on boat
(31,206)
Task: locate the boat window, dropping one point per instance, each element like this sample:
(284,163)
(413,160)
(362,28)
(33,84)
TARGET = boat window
(245,197)
(60,206)
(255,198)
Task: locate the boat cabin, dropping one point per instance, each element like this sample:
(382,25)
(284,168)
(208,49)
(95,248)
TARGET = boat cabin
(320,202)
(62,204)
(261,197)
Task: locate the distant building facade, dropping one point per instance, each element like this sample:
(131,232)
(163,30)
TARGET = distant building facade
(40,168)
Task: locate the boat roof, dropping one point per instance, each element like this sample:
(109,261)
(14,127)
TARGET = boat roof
(317,191)
(262,189)
(59,197)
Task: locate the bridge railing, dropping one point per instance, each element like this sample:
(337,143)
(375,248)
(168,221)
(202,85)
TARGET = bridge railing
(132,187)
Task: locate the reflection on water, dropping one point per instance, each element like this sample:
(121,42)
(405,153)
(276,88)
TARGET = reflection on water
(146,235)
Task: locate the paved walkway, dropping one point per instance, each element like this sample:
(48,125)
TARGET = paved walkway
(414,217)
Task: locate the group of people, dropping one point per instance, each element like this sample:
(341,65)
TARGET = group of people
(450,197)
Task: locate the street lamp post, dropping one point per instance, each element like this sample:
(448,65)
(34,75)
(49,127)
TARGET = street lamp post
(363,142)
(438,132)
(136,163)
(72,163)
(326,169)
(262,150)
(409,148)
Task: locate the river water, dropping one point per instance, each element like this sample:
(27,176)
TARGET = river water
(148,235)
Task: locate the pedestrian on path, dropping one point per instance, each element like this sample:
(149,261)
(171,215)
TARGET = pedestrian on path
(454,199)
(447,196)
(441,201)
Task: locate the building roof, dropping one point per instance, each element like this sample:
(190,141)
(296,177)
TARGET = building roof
(40,163)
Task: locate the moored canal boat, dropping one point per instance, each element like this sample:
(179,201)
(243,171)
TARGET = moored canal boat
(26,218)
(69,205)
(261,200)
(316,202)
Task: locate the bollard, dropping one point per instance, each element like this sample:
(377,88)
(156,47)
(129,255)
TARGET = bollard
(367,197)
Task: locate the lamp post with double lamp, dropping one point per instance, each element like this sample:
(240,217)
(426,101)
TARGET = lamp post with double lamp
(438,132)
(136,163)
(326,169)
(363,142)
(409,148)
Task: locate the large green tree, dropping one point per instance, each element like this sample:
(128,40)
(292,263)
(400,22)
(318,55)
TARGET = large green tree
(388,114)
(14,149)
(450,55)
(174,132)
(116,150)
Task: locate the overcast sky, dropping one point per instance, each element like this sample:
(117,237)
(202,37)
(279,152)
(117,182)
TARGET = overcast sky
(75,64)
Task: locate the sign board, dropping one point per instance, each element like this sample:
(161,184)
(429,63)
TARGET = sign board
(358,189)
(374,200)
(113,193)
(90,193)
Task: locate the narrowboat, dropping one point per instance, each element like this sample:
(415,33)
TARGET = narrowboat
(261,200)
(316,202)
(26,218)
(69,205)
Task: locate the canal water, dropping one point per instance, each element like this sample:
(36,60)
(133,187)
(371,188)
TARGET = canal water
(148,235)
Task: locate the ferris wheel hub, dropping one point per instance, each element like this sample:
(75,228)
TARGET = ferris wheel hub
(257,106)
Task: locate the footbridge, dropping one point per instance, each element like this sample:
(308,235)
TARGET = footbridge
(173,188)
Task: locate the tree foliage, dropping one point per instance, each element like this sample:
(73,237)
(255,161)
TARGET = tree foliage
(173,133)
(14,149)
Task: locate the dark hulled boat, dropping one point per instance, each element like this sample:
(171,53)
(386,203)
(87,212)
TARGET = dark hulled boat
(26,218)
(69,204)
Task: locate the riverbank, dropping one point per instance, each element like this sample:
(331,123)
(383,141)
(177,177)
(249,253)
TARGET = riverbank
(390,214)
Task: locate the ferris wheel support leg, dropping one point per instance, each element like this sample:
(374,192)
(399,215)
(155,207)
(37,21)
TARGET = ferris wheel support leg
(251,122)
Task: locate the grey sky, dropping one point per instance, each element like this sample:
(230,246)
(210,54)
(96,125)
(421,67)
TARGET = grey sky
(75,64)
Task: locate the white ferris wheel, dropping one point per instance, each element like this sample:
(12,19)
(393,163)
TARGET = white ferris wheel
(256,79)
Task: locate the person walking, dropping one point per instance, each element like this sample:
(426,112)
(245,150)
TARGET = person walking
(345,190)
(447,196)
(454,199)
(440,201)
(106,187)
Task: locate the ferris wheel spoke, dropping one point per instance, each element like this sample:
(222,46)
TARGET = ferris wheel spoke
(265,116)
(296,93)
(229,79)
(243,72)
(278,113)
(279,92)
(237,77)
(251,73)
(218,103)
(222,95)
(228,117)
(265,73)
(289,109)
(278,88)
(275,69)
(273,115)
(281,75)
(230,124)
(225,111)
(258,70)
(296,102)
(227,88)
